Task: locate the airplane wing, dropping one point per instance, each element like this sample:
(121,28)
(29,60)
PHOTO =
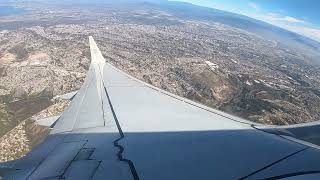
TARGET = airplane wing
(118,127)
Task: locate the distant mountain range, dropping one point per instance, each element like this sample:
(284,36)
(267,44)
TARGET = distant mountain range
(193,12)
(190,11)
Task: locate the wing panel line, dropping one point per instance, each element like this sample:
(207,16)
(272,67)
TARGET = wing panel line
(286,157)
(116,142)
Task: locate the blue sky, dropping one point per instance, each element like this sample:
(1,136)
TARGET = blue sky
(300,16)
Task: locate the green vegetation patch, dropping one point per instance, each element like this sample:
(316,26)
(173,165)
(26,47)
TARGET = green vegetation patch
(20,51)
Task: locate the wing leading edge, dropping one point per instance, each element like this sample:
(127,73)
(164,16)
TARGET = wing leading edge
(118,127)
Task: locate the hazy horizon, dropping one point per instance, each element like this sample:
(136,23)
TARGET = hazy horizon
(295,16)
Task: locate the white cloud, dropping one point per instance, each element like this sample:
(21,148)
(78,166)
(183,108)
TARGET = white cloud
(253,5)
(277,17)
(292,19)
(313,33)
(290,23)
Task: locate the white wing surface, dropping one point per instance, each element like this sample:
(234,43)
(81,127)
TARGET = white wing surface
(118,127)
